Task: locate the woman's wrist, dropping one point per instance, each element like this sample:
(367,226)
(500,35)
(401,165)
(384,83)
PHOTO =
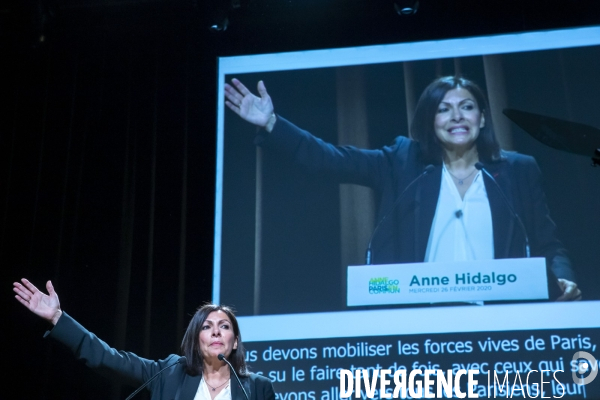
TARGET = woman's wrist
(56,317)
(270,123)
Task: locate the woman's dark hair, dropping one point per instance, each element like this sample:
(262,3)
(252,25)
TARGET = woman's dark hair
(190,345)
(422,130)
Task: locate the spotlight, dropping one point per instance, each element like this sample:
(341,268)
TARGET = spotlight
(406,7)
(220,25)
(219,11)
(42,19)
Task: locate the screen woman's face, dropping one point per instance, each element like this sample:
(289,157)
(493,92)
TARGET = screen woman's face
(458,120)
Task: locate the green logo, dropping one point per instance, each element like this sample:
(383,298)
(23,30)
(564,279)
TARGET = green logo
(383,285)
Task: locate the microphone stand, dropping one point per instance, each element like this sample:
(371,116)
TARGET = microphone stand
(222,358)
(369,252)
(480,167)
(180,361)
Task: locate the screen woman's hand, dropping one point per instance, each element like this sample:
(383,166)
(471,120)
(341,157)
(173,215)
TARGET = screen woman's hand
(43,305)
(254,109)
(569,289)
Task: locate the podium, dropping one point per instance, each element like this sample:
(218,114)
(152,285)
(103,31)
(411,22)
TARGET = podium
(448,282)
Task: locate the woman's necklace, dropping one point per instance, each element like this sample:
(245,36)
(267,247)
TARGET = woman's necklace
(216,387)
(460,180)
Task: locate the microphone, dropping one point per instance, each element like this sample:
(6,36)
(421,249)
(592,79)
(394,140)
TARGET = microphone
(458,214)
(222,358)
(180,361)
(480,167)
(369,252)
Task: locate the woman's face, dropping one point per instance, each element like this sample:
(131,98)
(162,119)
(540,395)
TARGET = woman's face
(216,336)
(458,120)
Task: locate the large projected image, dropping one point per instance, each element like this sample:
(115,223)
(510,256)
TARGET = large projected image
(295,209)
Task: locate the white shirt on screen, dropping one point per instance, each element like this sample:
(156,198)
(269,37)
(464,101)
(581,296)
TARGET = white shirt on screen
(461,228)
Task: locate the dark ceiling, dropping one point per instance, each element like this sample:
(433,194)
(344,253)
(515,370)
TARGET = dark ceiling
(283,25)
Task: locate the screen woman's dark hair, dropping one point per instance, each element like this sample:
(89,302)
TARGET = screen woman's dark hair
(190,345)
(422,130)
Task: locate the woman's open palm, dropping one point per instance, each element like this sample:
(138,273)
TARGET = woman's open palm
(47,306)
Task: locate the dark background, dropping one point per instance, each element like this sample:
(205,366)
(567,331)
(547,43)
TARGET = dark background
(107,151)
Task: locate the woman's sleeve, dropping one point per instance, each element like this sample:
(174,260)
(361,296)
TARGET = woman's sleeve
(346,164)
(125,366)
(268,393)
(544,240)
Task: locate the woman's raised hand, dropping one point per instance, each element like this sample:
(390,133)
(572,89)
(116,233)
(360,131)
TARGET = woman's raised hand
(256,110)
(45,306)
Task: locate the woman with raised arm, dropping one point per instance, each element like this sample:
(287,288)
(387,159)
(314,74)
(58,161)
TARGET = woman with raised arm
(461,193)
(211,341)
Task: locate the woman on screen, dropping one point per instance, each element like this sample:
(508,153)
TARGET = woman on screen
(462,197)
(201,374)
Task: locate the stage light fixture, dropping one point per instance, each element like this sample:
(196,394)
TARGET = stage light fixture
(219,13)
(220,25)
(406,7)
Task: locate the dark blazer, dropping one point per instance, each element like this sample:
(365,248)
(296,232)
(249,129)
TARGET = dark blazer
(173,383)
(403,237)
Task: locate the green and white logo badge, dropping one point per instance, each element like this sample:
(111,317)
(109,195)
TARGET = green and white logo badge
(383,285)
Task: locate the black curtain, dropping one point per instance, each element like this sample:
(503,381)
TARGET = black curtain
(107,146)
